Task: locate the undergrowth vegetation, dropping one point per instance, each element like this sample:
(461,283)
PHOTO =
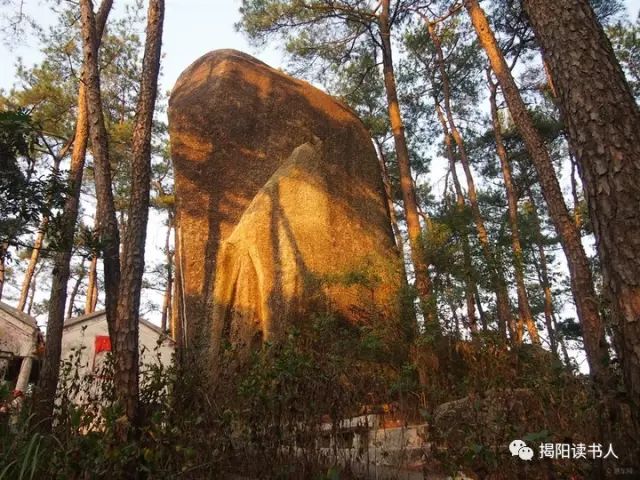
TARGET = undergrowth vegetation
(280,417)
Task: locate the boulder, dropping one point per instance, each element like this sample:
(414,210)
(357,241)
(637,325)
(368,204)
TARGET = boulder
(280,209)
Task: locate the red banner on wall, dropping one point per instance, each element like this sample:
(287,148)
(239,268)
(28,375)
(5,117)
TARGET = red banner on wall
(103,343)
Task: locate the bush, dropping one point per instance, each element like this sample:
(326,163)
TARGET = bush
(279,416)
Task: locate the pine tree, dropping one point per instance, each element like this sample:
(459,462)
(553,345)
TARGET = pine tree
(48,380)
(603,120)
(123,275)
(581,276)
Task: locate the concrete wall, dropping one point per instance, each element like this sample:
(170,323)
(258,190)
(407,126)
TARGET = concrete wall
(18,340)
(16,335)
(82,331)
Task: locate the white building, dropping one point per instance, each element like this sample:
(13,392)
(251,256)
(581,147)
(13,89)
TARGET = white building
(22,345)
(91,331)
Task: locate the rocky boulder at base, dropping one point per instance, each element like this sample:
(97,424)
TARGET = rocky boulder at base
(281,211)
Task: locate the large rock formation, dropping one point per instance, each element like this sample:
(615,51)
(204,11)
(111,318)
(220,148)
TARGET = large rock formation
(280,208)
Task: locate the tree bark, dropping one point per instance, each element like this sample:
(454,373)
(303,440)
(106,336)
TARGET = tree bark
(92,286)
(418,257)
(132,267)
(42,231)
(581,277)
(94,296)
(543,276)
(3,255)
(167,301)
(74,290)
(577,217)
(483,317)
(33,262)
(48,381)
(389,194)
(524,308)
(470,284)
(106,220)
(561,342)
(32,289)
(178,326)
(603,120)
(505,318)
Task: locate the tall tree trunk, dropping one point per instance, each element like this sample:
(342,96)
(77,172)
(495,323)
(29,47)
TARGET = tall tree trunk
(603,120)
(551,86)
(543,275)
(561,342)
(167,301)
(33,262)
(483,317)
(74,290)
(577,217)
(3,255)
(92,286)
(581,277)
(42,231)
(505,319)
(450,301)
(418,257)
(178,326)
(542,270)
(33,289)
(94,296)
(470,284)
(386,180)
(128,308)
(106,220)
(524,307)
(48,380)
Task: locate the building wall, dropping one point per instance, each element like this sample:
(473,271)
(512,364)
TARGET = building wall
(15,336)
(83,334)
(18,344)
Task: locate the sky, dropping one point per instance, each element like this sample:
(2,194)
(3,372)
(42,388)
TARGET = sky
(192,28)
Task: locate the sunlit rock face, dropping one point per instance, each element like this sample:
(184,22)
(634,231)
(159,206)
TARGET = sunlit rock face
(280,209)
